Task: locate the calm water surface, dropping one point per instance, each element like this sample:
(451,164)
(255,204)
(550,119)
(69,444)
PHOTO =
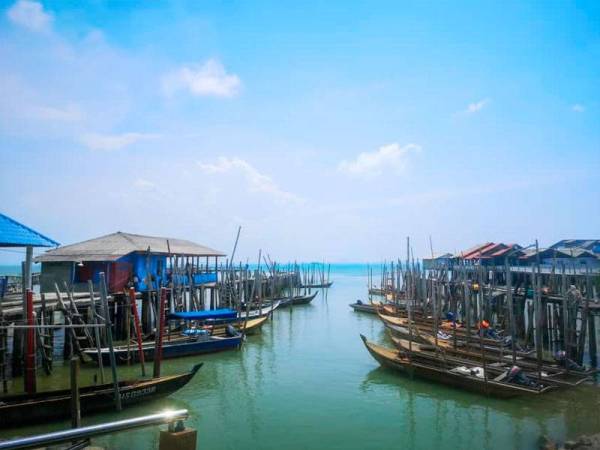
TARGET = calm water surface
(307,382)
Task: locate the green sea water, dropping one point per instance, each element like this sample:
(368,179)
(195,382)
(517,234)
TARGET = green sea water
(307,382)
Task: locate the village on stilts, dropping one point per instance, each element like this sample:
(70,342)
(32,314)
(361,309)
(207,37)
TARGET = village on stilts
(497,320)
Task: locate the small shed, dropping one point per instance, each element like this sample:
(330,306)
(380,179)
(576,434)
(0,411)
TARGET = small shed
(127,260)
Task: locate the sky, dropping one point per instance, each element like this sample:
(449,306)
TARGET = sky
(326,130)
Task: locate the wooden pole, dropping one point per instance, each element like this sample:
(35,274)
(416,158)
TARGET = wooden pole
(30,379)
(75,404)
(511,310)
(109,338)
(138,329)
(96,330)
(159,333)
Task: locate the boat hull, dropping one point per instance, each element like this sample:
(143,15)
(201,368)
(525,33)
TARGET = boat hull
(492,388)
(170,350)
(43,407)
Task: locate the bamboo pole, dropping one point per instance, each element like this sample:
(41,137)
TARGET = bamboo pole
(109,338)
(96,330)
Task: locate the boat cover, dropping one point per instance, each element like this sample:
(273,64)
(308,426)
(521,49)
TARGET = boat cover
(224,313)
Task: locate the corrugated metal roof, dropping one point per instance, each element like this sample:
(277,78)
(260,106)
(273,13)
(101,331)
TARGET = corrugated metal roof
(113,246)
(15,234)
(475,249)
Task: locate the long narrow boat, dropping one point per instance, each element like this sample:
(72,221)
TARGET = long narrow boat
(556,373)
(297,300)
(401,322)
(368,308)
(43,407)
(318,285)
(250,326)
(195,345)
(555,376)
(450,375)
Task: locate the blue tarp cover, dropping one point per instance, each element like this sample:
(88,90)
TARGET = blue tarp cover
(223,313)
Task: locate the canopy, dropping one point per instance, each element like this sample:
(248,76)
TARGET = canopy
(224,313)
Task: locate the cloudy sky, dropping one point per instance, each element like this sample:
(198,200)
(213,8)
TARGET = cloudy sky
(326,130)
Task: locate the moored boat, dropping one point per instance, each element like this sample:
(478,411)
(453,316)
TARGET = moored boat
(369,308)
(297,300)
(43,407)
(194,345)
(451,375)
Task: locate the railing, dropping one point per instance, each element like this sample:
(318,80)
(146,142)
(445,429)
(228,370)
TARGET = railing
(85,433)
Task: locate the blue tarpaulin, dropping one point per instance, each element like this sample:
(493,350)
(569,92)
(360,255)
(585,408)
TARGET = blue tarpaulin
(224,313)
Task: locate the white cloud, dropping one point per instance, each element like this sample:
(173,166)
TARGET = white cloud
(256,181)
(578,108)
(31,15)
(144,185)
(69,113)
(388,157)
(108,142)
(477,106)
(208,79)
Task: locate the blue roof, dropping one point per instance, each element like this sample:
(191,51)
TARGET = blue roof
(223,313)
(15,234)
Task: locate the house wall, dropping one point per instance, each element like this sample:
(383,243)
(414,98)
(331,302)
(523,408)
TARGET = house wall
(55,272)
(130,268)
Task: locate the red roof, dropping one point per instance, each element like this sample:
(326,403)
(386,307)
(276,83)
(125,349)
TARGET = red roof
(467,253)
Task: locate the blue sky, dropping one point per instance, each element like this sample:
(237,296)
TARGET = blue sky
(326,130)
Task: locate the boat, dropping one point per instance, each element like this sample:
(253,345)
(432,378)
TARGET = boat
(554,373)
(555,376)
(297,300)
(192,345)
(250,326)
(43,407)
(401,323)
(318,285)
(369,308)
(451,375)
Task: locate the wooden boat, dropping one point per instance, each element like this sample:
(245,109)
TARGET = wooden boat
(555,373)
(555,376)
(417,328)
(261,310)
(43,407)
(195,345)
(369,308)
(318,285)
(449,375)
(250,326)
(297,300)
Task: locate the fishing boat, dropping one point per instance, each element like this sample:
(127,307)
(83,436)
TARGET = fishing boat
(555,376)
(369,308)
(450,374)
(554,373)
(297,300)
(318,285)
(401,325)
(192,345)
(42,407)
(246,327)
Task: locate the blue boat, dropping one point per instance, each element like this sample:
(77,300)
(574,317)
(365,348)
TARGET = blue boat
(195,345)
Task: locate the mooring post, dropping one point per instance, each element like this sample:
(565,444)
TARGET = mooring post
(138,329)
(30,380)
(109,338)
(178,437)
(75,403)
(96,330)
(159,333)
